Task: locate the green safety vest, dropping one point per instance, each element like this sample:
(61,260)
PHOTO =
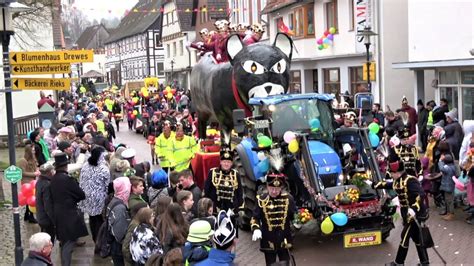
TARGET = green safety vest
(430,119)
(183,152)
(164,148)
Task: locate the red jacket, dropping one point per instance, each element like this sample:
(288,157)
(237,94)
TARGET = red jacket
(44,100)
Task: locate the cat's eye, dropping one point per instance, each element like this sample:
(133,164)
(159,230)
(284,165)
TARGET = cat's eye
(253,67)
(279,67)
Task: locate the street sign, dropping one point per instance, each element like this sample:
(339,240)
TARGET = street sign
(40,84)
(13,174)
(41,69)
(51,57)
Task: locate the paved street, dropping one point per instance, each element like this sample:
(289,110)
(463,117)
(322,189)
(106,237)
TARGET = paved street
(453,239)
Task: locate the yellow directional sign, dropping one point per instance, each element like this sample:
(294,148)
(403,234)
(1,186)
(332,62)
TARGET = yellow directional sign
(40,84)
(51,57)
(40,69)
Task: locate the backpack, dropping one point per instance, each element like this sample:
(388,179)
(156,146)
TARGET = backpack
(105,237)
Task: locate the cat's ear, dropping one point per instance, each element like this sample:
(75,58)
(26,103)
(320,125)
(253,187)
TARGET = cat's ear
(284,43)
(234,46)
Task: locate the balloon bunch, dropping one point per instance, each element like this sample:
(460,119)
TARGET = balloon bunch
(169,92)
(374,139)
(290,138)
(327,39)
(144,93)
(263,165)
(338,218)
(27,195)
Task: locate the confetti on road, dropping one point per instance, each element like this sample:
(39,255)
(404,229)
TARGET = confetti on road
(456,253)
(445,228)
(389,254)
(439,225)
(436,246)
(452,239)
(450,234)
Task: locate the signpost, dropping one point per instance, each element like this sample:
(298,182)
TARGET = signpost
(41,84)
(51,57)
(41,69)
(13,174)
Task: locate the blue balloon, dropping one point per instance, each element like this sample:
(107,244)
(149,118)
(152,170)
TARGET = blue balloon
(327,41)
(374,140)
(339,218)
(315,124)
(263,166)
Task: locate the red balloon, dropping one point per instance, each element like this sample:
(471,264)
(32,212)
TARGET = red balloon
(132,116)
(33,183)
(31,201)
(173,91)
(27,189)
(21,199)
(326,33)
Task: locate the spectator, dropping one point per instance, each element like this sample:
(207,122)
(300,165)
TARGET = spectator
(448,170)
(468,128)
(198,242)
(187,182)
(120,168)
(430,106)
(144,241)
(378,114)
(470,195)
(129,155)
(30,171)
(393,123)
(117,111)
(454,132)
(164,148)
(101,140)
(158,183)
(49,137)
(35,138)
(118,218)
(40,250)
(138,186)
(412,116)
(172,229)
(44,203)
(127,256)
(185,200)
(439,112)
(66,194)
(43,99)
(422,124)
(173,258)
(94,180)
(142,169)
(160,209)
(224,239)
(205,210)
(109,129)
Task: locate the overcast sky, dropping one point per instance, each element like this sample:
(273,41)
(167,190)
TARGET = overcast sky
(101,8)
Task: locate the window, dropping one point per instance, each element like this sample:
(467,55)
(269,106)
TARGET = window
(174,48)
(299,22)
(168,51)
(309,20)
(295,81)
(467,77)
(315,80)
(172,16)
(332,83)
(181,47)
(157,40)
(331,14)
(291,19)
(165,19)
(448,77)
(451,94)
(351,15)
(356,79)
(302,21)
(160,69)
(468,103)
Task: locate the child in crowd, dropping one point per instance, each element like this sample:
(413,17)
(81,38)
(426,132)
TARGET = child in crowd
(448,170)
(185,201)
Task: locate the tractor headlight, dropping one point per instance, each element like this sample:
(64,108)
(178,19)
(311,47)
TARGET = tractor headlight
(341,177)
(271,108)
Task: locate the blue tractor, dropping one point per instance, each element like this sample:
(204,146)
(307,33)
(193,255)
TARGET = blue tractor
(317,173)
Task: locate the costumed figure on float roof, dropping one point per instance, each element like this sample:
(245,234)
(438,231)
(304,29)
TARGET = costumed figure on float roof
(271,219)
(220,40)
(255,34)
(205,45)
(413,210)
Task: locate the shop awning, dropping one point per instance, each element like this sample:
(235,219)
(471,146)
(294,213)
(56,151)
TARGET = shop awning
(92,74)
(434,64)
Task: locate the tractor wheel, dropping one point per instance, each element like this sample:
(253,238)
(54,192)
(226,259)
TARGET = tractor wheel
(249,189)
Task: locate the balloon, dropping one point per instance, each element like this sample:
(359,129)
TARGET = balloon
(289,136)
(326,33)
(32,209)
(133,116)
(325,45)
(263,166)
(332,30)
(374,140)
(374,127)
(141,94)
(339,218)
(173,91)
(320,41)
(293,146)
(327,226)
(327,41)
(315,124)
(33,183)
(146,94)
(21,199)
(135,100)
(331,37)
(169,95)
(168,89)
(321,47)
(135,112)
(458,184)
(394,141)
(264,141)
(27,189)
(261,156)
(31,201)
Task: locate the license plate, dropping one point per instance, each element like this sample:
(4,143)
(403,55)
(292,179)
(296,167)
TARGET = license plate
(261,124)
(363,239)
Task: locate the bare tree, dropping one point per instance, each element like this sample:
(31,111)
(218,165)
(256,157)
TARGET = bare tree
(75,24)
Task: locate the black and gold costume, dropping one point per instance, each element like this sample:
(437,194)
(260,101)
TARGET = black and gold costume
(410,194)
(273,217)
(224,189)
(409,157)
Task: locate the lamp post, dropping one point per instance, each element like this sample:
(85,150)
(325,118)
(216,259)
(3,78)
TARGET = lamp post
(8,7)
(172,62)
(367,33)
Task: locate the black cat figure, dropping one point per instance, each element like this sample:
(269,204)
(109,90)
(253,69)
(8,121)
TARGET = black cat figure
(257,70)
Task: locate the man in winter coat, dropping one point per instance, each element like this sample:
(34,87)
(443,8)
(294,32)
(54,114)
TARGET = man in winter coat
(453,132)
(438,112)
(69,221)
(412,116)
(422,124)
(44,203)
(394,124)
(40,250)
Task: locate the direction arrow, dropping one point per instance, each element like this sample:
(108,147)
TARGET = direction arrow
(41,69)
(41,84)
(51,57)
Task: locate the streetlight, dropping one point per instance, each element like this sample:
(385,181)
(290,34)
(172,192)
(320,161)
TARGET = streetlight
(366,33)
(172,62)
(8,7)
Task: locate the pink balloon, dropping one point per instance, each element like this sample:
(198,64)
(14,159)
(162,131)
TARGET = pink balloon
(31,201)
(27,189)
(21,199)
(33,184)
(459,185)
(289,136)
(320,41)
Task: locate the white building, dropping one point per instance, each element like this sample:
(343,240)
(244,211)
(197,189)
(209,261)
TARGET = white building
(178,29)
(134,50)
(441,41)
(338,68)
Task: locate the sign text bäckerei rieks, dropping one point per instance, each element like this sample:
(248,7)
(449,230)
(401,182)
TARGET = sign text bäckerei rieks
(40,84)
(51,57)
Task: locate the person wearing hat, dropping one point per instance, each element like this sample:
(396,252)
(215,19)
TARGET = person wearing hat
(453,132)
(129,155)
(439,111)
(44,203)
(423,114)
(223,184)
(224,240)
(412,208)
(66,194)
(406,150)
(198,243)
(272,218)
(412,116)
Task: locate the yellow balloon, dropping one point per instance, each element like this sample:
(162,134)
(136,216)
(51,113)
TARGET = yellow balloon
(327,226)
(169,95)
(32,209)
(135,112)
(293,147)
(168,89)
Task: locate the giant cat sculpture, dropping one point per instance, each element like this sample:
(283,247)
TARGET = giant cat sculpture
(257,70)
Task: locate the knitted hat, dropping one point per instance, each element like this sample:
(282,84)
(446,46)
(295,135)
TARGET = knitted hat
(225,230)
(453,114)
(200,231)
(63,145)
(128,153)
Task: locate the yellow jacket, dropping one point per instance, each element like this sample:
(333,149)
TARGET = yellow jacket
(101,126)
(183,152)
(164,150)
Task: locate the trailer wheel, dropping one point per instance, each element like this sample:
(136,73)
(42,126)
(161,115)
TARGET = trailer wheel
(249,189)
